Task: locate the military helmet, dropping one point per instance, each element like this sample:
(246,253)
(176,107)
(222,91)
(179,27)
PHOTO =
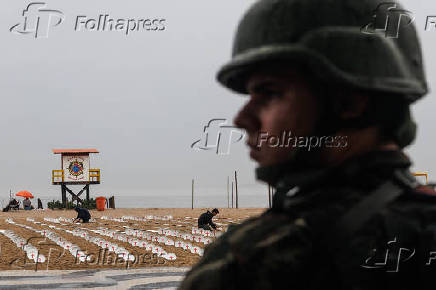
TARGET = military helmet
(366,44)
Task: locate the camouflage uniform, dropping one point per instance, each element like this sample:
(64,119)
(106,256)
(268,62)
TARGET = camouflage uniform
(294,244)
(331,227)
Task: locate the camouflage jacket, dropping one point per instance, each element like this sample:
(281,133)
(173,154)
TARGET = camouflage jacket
(294,245)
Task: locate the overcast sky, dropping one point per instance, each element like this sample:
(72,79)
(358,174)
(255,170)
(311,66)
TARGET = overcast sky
(141,99)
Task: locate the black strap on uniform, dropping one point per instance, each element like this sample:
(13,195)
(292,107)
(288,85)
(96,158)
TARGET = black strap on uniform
(357,216)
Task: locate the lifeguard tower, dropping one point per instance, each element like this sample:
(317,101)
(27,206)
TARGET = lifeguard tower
(75,170)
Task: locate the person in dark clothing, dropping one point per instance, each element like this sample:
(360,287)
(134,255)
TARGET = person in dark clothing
(205,220)
(13,204)
(330,84)
(40,204)
(83,215)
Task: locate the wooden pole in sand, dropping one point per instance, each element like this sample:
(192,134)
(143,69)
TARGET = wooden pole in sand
(228,193)
(232,194)
(236,189)
(192,196)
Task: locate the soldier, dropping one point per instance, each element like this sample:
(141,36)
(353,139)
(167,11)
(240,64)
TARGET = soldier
(327,119)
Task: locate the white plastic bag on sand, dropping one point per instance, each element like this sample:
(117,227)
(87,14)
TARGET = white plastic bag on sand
(195,249)
(134,242)
(170,256)
(40,259)
(169,242)
(80,254)
(113,247)
(187,246)
(207,241)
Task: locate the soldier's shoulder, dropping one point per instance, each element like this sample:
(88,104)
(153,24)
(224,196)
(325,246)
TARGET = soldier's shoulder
(221,246)
(412,214)
(254,235)
(262,246)
(254,225)
(420,199)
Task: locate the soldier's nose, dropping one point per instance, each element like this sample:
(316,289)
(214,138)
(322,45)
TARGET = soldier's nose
(246,119)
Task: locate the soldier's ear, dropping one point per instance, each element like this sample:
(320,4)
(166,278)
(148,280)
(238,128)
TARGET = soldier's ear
(351,106)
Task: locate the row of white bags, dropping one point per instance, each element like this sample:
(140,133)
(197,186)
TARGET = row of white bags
(113,219)
(31,251)
(104,244)
(136,242)
(113,247)
(186,236)
(52,220)
(82,256)
(148,217)
(72,248)
(169,242)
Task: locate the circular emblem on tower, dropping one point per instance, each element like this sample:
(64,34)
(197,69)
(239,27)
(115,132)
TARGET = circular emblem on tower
(75,168)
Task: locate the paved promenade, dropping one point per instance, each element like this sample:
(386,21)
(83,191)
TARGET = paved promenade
(150,278)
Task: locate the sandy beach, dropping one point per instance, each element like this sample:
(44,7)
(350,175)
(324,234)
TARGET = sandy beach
(30,224)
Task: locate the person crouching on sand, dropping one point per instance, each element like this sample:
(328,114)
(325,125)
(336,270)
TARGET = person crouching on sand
(205,220)
(83,215)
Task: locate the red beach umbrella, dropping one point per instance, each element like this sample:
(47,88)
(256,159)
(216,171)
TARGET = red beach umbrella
(25,193)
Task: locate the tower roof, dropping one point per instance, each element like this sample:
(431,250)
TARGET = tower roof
(66,151)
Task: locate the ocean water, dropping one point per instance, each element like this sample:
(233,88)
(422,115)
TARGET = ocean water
(249,197)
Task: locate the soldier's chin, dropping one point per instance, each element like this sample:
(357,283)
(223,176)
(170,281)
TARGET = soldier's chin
(255,155)
(259,158)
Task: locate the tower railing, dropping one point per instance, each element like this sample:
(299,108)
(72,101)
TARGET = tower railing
(57,176)
(94,175)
